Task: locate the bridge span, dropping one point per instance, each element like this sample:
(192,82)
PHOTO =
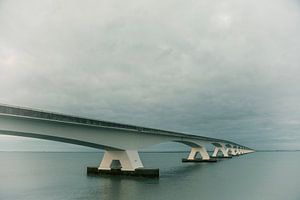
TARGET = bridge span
(121,142)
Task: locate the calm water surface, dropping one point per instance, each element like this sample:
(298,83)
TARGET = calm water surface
(43,176)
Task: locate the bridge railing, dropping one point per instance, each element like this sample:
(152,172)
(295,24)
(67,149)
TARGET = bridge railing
(27,112)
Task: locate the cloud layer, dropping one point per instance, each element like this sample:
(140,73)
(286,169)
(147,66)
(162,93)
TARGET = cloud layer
(226,69)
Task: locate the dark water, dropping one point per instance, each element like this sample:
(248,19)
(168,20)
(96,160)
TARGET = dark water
(258,176)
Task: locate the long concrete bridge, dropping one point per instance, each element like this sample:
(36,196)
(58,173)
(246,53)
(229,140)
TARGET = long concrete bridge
(121,142)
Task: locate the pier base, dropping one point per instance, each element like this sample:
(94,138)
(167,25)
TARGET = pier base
(197,160)
(139,172)
(221,157)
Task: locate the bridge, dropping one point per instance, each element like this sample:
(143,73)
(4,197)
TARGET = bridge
(121,142)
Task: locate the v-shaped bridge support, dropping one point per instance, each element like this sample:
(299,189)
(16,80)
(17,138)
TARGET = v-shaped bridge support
(129,160)
(202,151)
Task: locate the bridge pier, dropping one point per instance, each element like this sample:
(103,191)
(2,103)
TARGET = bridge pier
(204,155)
(129,160)
(123,162)
(235,151)
(218,148)
(232,151)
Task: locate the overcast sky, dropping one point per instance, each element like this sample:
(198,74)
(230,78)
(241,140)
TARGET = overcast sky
(226,69)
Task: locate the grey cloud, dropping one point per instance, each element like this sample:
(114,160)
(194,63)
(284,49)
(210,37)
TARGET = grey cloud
(223,69)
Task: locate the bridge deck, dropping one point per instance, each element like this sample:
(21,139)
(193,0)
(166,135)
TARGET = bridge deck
(40,114)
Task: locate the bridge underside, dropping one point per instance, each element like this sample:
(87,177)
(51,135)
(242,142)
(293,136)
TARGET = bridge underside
(57,139)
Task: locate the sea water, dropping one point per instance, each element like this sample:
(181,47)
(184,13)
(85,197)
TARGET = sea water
(51,176)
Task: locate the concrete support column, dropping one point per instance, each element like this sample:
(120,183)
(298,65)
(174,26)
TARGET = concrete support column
(216,151)
(233,151)
(242,151)
(201,150)
(228,151)
(129,160)
(222,149)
